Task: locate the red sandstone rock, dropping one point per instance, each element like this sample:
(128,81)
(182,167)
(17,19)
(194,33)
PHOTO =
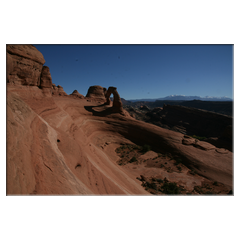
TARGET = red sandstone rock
(46,79)
(96,92)
(61,91)
(75,93)
(188,141)
(58,90)
(54,146)
(117,103)
(24,65)
(222,150)
(204,145)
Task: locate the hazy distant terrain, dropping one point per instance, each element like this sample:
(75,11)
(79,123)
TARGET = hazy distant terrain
(184,98)
(222,107)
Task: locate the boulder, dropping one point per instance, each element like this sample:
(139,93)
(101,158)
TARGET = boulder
(188,141)
(204,145)
(24,65)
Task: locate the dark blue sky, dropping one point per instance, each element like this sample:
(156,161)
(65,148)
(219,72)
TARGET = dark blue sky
(143,71)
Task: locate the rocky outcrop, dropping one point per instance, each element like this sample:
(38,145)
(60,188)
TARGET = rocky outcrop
(187,140)
(117,103)
(96,92)
(144,108)
(58,90)
(24,65)
(46,79)
(61,91)
(75,93)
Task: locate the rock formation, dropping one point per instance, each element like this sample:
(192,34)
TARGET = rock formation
(61,91)
(96,92)
(117,103)
(58,90)
(46,79)
(75,93)
(24,65)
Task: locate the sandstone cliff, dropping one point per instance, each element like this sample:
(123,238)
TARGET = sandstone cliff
(24,65)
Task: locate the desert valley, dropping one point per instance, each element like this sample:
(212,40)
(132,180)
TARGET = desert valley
(60,144)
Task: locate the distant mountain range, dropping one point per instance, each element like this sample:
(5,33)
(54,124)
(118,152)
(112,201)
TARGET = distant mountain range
(183,98)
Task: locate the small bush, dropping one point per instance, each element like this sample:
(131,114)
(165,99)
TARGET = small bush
(170,188)
(133,159)
(178,160)
(179,168)
(146,148)
(215,183)
(136,147)
(193,172)
(198,189)
(159,180)
(151,185)
(209,193)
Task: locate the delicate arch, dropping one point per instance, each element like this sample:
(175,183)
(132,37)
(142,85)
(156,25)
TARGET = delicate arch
(117,103)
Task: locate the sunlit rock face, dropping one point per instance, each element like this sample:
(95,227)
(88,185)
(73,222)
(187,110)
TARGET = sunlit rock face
(96,92)
(75,93)
(58,90)
(24,65)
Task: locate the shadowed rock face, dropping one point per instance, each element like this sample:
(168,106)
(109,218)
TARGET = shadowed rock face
(24,65)
(117,103)
(96,92)
(46,79)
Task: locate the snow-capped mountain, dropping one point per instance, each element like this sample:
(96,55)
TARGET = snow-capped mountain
(185,98)
(189,98)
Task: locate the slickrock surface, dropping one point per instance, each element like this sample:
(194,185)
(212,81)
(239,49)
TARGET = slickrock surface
(56,145)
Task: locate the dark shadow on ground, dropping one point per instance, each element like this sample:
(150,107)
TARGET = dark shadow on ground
(105,112)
